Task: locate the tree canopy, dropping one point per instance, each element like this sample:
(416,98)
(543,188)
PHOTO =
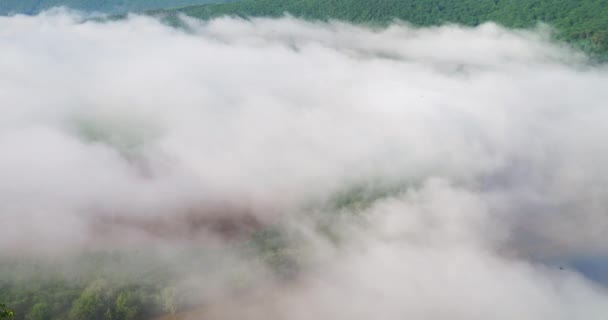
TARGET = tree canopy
(583,23)
(105,6)
(5,312)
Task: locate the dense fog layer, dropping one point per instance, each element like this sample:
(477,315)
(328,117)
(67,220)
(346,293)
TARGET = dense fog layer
(480,153)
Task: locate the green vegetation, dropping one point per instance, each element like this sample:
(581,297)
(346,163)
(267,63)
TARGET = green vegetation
(135,284)
(5,313)
(105,6)
(96,287)
(583,23)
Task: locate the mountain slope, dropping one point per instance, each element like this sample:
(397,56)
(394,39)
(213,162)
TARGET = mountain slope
(104,6)
(583,23)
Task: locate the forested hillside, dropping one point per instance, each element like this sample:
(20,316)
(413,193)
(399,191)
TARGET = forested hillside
(104,6)
(129,285)
(581,22)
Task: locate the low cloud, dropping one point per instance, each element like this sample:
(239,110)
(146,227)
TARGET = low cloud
(478,155)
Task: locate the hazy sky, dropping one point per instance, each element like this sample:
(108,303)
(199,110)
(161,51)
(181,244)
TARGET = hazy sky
(111,133)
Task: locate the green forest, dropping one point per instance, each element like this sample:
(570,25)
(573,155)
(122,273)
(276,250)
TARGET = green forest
(103,6)
(130,284)
(583,23)
(98,286)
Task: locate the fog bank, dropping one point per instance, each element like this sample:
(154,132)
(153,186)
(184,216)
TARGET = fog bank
(480,154)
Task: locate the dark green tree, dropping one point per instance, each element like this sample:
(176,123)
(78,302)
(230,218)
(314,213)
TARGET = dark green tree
(5,312)
(92,303)
(125,307)
(40,311)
